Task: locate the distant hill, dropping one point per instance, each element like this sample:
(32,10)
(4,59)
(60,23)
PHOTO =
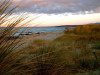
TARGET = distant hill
(67,26)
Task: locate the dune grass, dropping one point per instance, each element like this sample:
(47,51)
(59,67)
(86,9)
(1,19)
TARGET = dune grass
(9,53)
(66,55)
(70,54)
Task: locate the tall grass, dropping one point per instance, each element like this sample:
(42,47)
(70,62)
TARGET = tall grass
(9,53)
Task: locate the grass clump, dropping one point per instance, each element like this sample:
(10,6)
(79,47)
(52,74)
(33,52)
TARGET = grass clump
(10,53)
(40,42)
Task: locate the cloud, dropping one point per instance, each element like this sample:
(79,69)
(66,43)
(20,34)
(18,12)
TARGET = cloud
(57,6)
(97,10)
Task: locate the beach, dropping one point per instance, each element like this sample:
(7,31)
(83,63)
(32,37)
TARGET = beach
(44,36)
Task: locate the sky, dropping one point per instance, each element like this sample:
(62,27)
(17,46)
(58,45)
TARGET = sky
(59,12)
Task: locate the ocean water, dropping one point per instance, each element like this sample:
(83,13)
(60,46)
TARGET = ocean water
(42,29)
(25,30)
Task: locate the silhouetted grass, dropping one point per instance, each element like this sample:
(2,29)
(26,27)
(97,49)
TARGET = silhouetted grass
(9,53)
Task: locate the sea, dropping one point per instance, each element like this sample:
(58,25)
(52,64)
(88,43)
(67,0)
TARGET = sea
(43,29)
(25,30)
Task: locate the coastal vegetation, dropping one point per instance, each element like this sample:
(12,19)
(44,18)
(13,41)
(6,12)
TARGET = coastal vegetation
(76,52)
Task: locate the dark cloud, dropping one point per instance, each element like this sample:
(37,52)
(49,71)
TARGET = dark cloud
(58,6)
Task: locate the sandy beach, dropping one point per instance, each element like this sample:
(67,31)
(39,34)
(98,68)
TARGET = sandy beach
(43,36)
(28,39)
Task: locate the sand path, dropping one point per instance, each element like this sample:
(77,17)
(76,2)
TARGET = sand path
(28,39)
(44,36)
